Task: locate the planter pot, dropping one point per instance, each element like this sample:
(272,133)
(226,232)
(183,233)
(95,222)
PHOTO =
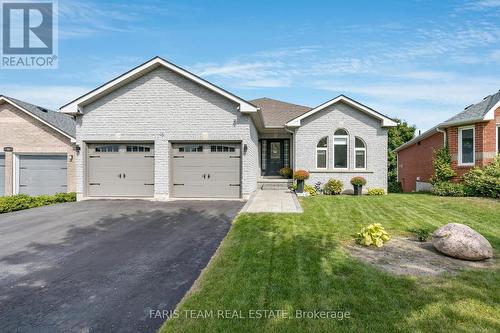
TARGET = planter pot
(358,189)
(300,186)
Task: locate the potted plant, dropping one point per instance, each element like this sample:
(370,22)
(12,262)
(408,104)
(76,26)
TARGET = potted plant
(300,176)
(286,173)
(358,183)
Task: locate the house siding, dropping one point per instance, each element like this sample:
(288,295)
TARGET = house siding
(415,161)
(357,124)
(27,135)
(164,107)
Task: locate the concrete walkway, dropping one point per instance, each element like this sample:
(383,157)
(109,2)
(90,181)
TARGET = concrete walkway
(273,201)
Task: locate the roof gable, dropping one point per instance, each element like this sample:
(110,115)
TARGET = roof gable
(481,111)
(74,107)
(58,121)
(276,113)
(385,121)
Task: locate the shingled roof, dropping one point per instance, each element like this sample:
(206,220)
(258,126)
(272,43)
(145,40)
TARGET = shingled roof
(474,112)
(58,120)
(277,113)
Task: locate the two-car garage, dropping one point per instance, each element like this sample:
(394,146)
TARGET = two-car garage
(197,170)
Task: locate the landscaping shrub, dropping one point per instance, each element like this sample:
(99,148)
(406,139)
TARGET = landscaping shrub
(443,171)
(376,191)
(23,201)
(358,181)
(310,189)
(484,182)
(447,189)
(332,187)
(395,187)
(374,234)
(301,175)
(286,172)
(422,234)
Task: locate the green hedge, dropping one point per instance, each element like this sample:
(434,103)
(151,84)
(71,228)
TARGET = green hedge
(447,189)
(484,182)
(23,201)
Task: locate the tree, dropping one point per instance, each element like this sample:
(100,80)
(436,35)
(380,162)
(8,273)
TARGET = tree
(398,135)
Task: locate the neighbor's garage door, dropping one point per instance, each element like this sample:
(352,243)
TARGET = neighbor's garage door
(2,175)
(206,170)
(120,170)
(42,174)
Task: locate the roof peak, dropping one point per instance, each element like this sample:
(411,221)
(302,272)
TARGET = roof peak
(277,100)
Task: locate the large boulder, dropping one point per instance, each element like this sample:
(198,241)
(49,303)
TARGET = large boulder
(460,241)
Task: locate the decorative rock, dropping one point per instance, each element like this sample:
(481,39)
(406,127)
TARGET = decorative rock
(460,241)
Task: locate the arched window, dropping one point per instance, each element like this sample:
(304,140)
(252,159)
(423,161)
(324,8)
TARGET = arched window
(322,153)
(340,142)
(360,154)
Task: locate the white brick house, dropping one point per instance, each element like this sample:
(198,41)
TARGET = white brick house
(160,131)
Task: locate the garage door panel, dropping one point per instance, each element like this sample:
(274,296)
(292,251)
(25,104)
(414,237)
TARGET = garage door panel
(42,174)
(120,169)
(219,163)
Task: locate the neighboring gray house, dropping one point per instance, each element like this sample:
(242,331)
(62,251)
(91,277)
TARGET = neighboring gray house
(160,131)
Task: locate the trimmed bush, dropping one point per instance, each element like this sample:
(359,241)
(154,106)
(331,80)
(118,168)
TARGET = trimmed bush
(301,175)
(286,172)
(376,191)
(358,181)
(23,201)
(310,189)
(446,189)
(374,234)
(484,182)
(333,187)
(395,187)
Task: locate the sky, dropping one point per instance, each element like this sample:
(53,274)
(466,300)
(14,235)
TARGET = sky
(420,61)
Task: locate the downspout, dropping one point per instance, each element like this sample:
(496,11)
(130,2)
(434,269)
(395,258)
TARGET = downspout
(445,141)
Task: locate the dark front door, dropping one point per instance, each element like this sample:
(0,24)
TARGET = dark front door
(275,157)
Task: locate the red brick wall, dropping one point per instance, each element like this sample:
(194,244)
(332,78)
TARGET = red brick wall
(485,144)
(416,161)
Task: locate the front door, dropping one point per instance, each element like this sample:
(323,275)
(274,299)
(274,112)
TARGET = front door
(275,157)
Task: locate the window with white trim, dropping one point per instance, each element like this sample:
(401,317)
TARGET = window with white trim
(359,153)
(466,146)
(322,153)
(340,149)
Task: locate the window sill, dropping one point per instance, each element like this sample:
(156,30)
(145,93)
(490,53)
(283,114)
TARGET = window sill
(340,171)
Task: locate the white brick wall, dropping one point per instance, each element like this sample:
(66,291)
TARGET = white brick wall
(357,123)
(162,106)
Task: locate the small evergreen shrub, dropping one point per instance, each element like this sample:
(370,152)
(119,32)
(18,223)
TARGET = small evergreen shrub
(484,182)
(286,172)
(301,175)
(443,172)
(374,234)
(333,187)
(395,187)
(376,191)
(358,181)
(422,234)
(447,189)
(23,201)
(310,189)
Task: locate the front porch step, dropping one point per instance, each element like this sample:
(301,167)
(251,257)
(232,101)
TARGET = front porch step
(274,183)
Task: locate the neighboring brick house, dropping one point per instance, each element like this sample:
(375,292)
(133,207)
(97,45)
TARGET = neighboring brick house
(36,149)
(472,136)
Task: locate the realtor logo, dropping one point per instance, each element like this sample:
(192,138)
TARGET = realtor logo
(29,34)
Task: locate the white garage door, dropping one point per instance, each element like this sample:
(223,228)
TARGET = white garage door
(42,174)
(2,175)
(116,170)
(206,170)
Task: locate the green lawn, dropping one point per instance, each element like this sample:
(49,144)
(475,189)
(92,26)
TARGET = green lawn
(293,262)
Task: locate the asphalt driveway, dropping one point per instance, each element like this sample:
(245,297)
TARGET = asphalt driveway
(104,266)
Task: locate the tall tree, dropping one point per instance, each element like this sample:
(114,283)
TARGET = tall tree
(398,135)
